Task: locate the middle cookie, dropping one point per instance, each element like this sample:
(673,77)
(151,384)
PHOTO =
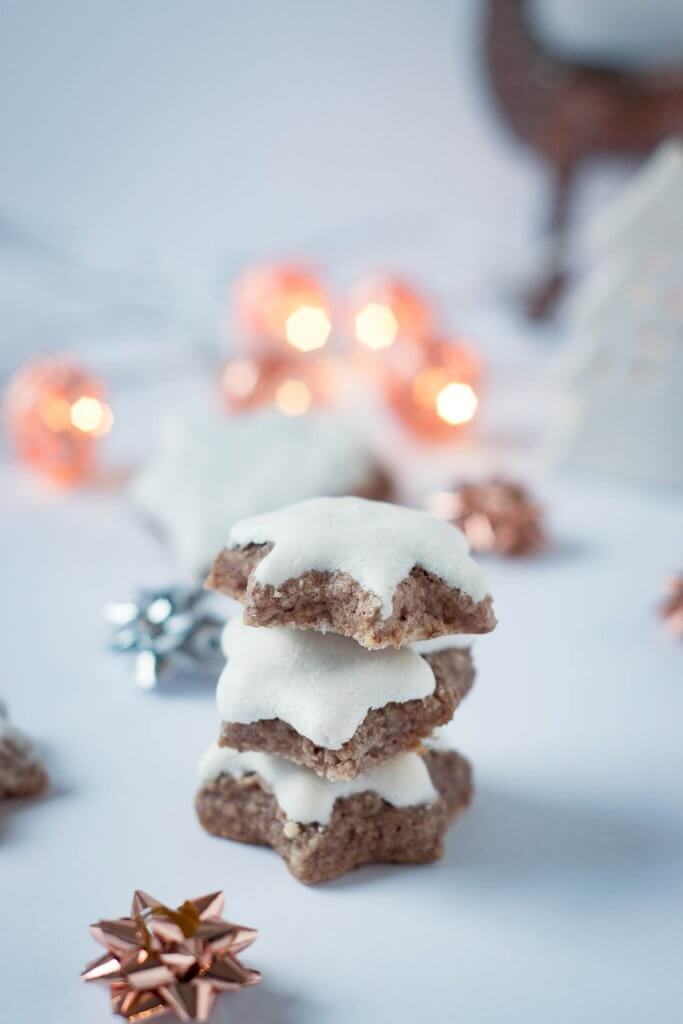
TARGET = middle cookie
(326,703)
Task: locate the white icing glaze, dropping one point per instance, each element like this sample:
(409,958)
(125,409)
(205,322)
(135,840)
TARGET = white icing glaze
(635,34)
(464,641)
(376,543)
(404,781)
(323,686)
(439,740)
(214,469)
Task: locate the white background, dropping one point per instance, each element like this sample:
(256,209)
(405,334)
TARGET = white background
(193,136)
(181,140)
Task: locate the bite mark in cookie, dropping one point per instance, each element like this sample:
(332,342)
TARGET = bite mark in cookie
(360,826)
(381,574)
(328,704)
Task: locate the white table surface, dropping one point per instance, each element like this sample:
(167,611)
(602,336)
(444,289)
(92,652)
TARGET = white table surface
(560,892)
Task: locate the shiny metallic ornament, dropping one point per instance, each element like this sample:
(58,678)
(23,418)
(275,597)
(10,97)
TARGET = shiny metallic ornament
(171,961)
(497,516)
(166,630)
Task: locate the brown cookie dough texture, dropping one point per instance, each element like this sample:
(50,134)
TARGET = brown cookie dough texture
(21,771)
(384,733)
(424,605)
(363,828)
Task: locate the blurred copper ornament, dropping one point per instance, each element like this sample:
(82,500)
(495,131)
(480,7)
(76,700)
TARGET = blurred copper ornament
(293,384)
(496,516)
(384,309)
(433,388)
(162,960)
(56,413)
(282,304)
(672,607)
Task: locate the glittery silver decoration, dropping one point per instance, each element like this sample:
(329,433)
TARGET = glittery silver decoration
(166,631)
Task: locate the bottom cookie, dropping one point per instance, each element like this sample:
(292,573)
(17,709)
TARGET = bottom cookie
(362,827)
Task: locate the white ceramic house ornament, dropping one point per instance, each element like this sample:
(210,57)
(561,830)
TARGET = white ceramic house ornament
(624,364)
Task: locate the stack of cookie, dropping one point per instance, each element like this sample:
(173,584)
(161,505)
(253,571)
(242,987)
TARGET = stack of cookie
(320,753)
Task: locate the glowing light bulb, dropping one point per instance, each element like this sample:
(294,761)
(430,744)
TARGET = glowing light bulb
(437,397)
(376,326)
(293,397)
(308,328)
(240,378)
(281,304)
(456,403)
(55,413)
(91,416)
(427,385)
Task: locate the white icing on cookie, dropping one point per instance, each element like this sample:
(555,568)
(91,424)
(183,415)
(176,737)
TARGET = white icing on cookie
(404,781)
(215,469)
(323,686)
(439,740)
(463,641)
(375,543)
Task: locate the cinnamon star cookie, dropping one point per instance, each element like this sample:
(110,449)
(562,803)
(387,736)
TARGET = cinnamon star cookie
(396,813)
(379,573)
(327,703)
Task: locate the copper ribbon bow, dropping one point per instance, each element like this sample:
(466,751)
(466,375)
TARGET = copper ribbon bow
(161,960)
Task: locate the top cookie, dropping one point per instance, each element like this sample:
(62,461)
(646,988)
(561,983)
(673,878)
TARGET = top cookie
(381,574)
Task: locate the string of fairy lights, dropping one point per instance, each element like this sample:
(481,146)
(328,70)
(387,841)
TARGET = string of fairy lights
(297,347)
